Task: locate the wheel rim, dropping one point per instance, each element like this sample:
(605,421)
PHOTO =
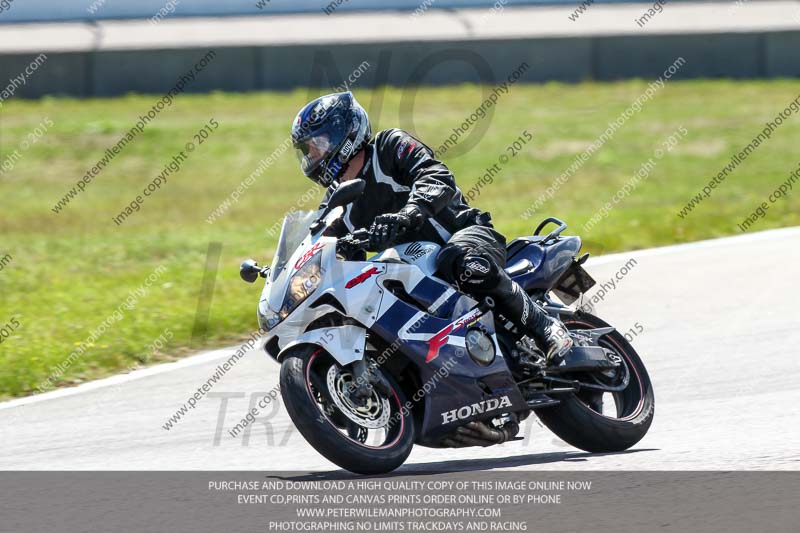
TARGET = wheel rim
(376,424)
(624,405)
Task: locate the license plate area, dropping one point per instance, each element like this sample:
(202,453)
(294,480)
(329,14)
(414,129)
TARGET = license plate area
(575,282)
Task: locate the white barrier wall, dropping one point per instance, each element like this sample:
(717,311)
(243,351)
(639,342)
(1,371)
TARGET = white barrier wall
(253,68)
(62,10)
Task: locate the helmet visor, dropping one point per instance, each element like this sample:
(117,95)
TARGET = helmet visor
(312,152)
(320,146)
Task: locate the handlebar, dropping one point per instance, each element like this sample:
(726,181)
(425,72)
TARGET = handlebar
(359,239)
(359,235)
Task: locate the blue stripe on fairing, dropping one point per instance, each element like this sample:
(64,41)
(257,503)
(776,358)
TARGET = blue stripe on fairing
(428,291)
(398,315)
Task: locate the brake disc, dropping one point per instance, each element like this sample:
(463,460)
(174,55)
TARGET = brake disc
(374,415)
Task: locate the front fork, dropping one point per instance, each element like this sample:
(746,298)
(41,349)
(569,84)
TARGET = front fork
(366,381)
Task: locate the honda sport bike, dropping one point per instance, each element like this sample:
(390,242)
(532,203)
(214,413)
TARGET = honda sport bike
(378,355)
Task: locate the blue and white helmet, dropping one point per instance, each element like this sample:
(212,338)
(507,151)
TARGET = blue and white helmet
(327,133)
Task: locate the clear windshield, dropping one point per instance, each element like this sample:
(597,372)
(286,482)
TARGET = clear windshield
(294,230)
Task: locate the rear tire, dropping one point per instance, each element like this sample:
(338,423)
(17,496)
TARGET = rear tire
(329,430)
(579,425)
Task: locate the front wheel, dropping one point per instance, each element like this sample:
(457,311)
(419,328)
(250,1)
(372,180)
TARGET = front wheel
(604,422)
(371,435)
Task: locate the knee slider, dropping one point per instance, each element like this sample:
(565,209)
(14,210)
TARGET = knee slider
(447,261)
(477,271)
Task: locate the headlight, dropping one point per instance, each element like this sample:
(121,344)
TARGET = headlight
(301,285)
(269,320)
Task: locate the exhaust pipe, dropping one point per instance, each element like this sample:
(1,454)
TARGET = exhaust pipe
(479,434)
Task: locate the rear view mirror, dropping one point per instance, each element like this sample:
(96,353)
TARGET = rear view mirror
(249,271)
(344,194)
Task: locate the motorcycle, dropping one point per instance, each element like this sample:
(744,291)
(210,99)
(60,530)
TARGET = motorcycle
(378,355)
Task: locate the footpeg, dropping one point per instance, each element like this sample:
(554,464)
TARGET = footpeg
(584,359)
(528,357)
(541,401)
(528,347)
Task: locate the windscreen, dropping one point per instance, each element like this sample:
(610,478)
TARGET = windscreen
(294,230)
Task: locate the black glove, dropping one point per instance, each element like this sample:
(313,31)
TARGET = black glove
(385,229)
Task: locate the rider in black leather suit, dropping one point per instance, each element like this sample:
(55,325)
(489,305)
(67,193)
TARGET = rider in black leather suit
(411,196)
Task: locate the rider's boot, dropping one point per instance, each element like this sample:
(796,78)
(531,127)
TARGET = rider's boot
(549,333)
(479,275)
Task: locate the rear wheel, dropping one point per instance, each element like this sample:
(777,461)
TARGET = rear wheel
(605,422)
(366,436)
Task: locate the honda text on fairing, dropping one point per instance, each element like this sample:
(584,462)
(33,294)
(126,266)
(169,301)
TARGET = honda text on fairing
(381,354)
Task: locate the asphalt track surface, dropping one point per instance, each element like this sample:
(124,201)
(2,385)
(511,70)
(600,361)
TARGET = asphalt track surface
(720,338)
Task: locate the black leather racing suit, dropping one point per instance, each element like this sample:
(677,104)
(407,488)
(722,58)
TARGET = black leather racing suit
(400,170)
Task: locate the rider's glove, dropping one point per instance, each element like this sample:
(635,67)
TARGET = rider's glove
(386,228)
(415,215)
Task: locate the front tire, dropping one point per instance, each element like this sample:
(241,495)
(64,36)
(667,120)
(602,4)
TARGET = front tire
(577,419)
(313,387)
